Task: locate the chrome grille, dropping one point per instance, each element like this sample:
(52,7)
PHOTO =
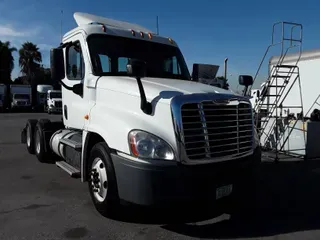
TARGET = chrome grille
(214,131)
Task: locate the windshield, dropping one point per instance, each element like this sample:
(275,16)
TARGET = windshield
(21,96)
(55,95)
(110,55)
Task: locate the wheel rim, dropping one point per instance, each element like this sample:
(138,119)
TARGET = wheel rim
(37,140)
(99,180)
(28,136)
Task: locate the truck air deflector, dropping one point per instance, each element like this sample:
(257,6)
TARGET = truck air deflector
(85,18)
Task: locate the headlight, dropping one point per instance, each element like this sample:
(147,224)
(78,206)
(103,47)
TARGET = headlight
(146,145)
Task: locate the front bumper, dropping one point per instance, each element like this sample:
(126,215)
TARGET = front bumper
(20,106)
(55,109)
(169,183)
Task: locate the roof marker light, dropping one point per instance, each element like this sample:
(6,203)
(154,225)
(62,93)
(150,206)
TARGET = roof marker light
(133,33)
(171,41)
(104,29)
(150,35)
(141,34)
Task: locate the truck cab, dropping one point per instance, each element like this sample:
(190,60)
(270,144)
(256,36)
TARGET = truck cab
(136,127)
(20,100)
(54,101)
(42,92)
(20,96)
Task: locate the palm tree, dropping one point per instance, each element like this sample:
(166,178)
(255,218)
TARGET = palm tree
(29,59)
(6,61)
(6,67)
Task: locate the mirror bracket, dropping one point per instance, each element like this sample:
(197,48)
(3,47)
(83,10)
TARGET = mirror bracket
(137,68)
(78,89)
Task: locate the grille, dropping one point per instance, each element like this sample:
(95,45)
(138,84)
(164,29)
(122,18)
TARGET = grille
(21,103)
(215,131)
(58,104)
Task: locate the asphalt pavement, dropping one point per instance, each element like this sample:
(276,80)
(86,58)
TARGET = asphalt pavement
(40,201)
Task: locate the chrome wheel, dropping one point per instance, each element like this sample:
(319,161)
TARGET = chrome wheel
(99,179)
(37,142)
(29,136)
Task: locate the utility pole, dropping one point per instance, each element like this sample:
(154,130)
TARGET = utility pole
(157,25)
(61,26)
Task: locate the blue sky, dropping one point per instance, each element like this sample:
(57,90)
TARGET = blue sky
(207,31)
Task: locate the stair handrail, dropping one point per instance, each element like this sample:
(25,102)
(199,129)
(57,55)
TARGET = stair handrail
(269,82)
(281,42)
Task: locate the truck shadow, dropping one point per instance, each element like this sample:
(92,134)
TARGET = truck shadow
(287,200)
(288,197)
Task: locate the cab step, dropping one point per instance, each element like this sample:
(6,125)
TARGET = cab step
(72,171)
(71,143)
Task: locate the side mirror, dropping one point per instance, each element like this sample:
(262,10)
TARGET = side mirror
(204,71)
(78,89)
(136,68)
(57,64)
(245,80)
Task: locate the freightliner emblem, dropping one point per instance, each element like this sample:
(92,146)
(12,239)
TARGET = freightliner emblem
(224,101)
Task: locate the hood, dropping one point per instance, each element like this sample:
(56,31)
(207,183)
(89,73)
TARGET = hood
(157,87)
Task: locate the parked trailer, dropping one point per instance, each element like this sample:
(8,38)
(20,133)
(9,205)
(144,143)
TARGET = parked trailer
(3,91)
(140,133)
(20,96)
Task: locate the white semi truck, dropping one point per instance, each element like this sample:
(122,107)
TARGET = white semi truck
(42,93)
(136,128)
(20,96)
(54,101)
(3,91)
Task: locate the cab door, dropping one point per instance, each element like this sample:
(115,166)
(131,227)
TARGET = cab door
(74,106)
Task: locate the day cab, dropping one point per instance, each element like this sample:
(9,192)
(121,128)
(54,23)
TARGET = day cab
(137,127)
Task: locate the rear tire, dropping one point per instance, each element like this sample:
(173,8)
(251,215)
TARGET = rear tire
(102,181)
(41,146)
(30,126)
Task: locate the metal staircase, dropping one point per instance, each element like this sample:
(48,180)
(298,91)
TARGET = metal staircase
(281,79)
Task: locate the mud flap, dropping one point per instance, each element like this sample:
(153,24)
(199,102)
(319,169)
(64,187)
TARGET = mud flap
(24,136)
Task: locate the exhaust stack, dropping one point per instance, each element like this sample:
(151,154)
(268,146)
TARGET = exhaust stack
(225,68)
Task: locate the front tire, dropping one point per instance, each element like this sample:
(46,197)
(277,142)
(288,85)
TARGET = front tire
(102,181)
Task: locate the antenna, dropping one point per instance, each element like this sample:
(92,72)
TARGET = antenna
(157,25)
(61,26)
